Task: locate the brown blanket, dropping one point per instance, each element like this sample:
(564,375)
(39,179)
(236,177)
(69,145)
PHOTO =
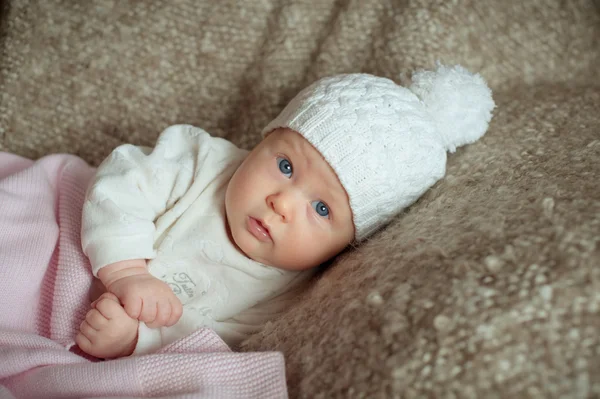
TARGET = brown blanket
(489,286)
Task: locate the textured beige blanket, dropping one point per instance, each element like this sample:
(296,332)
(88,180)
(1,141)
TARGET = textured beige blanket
(489,286)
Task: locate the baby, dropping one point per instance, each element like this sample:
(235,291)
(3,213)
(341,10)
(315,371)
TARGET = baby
(197,232)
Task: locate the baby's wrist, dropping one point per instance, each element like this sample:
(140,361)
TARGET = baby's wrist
(118,270)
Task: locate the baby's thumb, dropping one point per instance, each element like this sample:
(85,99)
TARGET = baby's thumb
(106,295)
(133,307)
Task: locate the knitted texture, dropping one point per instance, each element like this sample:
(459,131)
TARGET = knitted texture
(386,145)
(44,291)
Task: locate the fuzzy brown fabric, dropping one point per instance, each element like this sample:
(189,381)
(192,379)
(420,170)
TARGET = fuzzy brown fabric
(489,286)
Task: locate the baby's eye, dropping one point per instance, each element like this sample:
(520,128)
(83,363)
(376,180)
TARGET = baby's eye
(284,166)
(321,208)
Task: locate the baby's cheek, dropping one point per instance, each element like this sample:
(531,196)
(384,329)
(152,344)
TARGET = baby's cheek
(300,254)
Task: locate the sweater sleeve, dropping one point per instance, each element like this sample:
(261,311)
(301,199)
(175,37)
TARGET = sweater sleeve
(132,188)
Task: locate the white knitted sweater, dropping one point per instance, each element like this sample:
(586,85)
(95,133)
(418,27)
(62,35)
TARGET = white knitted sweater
(167,205)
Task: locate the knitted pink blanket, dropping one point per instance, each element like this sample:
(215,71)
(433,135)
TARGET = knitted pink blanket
(44,295)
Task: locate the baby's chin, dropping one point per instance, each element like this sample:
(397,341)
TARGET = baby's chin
(244,245)
(285,264)
(271,260)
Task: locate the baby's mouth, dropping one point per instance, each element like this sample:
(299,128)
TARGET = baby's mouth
(262,225)
(258,229)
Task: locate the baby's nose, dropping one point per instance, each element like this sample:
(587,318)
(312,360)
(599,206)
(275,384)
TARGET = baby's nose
(283,205)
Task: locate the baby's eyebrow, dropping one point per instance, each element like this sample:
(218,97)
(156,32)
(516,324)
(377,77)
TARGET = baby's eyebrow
(339,196)
(291,145)
(332,186)
(331,193)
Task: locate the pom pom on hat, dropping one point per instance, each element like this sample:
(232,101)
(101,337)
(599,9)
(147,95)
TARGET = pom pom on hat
(460,103)
(386,143)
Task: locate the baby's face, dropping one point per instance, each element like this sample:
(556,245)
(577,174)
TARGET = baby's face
(285,205)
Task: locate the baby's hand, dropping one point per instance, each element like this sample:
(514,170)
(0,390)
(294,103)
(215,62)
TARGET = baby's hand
(107,331)
(147,299)
(144,297)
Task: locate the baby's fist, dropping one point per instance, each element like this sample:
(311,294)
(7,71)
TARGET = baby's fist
(148,299)
(107,331)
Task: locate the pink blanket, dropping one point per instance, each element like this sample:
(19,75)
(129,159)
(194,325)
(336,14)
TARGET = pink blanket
(44,289)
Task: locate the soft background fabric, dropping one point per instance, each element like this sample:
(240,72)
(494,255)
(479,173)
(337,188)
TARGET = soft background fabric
(489,286)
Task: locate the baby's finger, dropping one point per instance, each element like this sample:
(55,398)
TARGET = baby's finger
(83,342)
(163,314)
(95,319)
(86,329)
(109,308)
(106,295)
(133,307)
(176,311)
(148,312)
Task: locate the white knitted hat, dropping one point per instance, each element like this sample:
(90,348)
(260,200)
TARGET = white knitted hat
(386,143)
